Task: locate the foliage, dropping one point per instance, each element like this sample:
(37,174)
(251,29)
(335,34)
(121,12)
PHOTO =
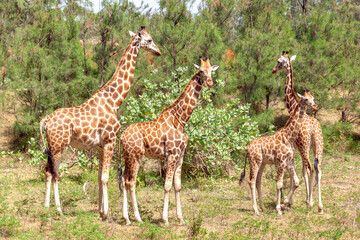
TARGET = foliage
(215,141)
(56,54)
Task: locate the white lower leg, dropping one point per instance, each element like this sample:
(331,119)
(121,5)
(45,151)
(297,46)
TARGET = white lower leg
(178,206)
(320,205)
(253,194)
(125,206)
(105,200)
(56,195)
(47,190)
(306,179)
(166,207)
(279,186)
(134,203)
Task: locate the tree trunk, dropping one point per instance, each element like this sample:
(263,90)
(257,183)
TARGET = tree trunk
(84,39)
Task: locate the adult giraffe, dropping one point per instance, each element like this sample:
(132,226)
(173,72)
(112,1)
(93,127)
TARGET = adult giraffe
(278,149)
(310,132)
(94,123)
(162,138)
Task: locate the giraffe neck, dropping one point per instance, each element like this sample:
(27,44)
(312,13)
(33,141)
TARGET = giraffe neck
(293,125)
(185,104)
(113,93)
(290,96)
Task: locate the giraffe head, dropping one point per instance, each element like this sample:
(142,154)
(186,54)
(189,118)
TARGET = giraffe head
(308,99)
(205,71)
(146,42)
(283,62)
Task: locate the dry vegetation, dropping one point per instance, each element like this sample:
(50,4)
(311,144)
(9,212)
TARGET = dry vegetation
(213,208)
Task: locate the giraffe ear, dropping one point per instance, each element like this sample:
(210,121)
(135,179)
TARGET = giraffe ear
(214,68)
(196,67)
(292,58)
(132,34)
(300,96)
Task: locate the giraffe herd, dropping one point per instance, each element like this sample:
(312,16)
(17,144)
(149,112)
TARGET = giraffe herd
(94,124)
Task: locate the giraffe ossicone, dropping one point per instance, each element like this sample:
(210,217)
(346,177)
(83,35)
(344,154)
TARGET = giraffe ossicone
(93,124)
(162,138)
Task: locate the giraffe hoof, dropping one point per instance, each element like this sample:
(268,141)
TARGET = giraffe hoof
(127,222)
(310,203)
(181,222)
(320,211)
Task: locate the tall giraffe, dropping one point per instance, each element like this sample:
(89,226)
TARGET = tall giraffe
(162,138)
(310,133)
(93,124)
(278,149)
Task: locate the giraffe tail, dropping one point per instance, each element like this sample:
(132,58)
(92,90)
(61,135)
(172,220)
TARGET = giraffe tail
(50,166)
(243,173)
(119,172)
(42,127)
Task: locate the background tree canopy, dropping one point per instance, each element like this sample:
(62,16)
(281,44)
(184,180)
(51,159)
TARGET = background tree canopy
(57,53)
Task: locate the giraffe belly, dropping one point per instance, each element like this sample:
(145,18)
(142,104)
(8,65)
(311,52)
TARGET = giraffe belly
(154,153)
(85,144)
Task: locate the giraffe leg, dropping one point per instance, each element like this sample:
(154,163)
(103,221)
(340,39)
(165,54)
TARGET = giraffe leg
(279,186)
(307,171)
(254,168)
(55,178)
(318,180)
(258,184)
(172,160)
(294,183)
(125,192)
(177,185)
(108,151)
(101,160)
(136,167)
(318,151)
(48,180)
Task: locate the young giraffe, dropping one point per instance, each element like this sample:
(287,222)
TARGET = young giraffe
(94,123)
(310,132)
(278,149)
(162,138)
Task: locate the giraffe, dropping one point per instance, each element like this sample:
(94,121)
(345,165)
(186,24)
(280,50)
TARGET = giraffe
(278,149)
(162,138)
(310,133)
(93,124)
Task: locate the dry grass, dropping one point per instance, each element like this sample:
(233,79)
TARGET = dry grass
(213,208)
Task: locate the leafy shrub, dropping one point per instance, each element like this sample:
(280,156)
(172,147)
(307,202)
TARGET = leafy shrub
(217,136)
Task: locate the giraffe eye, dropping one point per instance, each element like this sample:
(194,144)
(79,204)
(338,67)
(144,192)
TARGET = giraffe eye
(149,41)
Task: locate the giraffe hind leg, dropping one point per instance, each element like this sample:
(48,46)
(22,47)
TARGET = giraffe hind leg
(52,176)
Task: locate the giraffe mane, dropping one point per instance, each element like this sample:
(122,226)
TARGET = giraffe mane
(181,95)
(121,62)
(292,79)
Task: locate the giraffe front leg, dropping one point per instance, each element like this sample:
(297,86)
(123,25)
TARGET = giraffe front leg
(136,161)
(279,186)
(258,184)
(172,159)
(318,180)
(101,160)
(108,151)
(177,183)
(294,183)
